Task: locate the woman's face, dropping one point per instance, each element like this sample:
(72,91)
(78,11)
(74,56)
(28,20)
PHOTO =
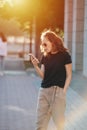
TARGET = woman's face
(47,45)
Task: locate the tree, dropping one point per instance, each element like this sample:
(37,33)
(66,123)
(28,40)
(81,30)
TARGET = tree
(10,26)
(48,14)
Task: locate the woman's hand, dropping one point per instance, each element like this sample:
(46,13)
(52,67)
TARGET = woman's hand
(34,60)
(64,91)
(35,63)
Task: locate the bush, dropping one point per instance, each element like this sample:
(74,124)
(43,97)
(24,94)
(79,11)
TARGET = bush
(28,64)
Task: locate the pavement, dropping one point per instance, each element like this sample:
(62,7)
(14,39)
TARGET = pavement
(14,64)
(18,100)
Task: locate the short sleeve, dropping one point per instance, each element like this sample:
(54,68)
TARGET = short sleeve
(67,58)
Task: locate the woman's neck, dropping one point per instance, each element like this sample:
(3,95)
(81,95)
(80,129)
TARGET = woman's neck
(54,52)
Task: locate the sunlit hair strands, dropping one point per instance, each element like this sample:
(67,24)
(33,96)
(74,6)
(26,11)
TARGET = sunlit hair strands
(57,42)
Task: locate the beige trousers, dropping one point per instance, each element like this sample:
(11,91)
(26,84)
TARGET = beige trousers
(51,103)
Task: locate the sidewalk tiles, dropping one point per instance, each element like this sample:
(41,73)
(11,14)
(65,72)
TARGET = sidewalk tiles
(18,100)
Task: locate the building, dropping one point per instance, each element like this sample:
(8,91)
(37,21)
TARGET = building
(75,30)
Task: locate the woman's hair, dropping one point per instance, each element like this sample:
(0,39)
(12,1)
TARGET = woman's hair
(2,36)
(57,42)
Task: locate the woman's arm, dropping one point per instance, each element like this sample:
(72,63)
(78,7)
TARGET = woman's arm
(68,76)
(40,71)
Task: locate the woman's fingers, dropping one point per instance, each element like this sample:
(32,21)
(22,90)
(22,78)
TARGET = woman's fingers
(34,60)
(33,57)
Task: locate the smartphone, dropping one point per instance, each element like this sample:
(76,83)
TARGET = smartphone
(30,54)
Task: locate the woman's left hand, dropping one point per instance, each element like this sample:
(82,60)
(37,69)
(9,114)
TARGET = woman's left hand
(64,91)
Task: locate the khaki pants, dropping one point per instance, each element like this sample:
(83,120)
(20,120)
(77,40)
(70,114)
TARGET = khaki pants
(51,103)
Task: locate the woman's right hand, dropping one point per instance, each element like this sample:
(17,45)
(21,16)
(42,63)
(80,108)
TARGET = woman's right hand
(34,60)
(35,63)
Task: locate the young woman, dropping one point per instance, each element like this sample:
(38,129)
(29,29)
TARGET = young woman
(56,72)
(3,52)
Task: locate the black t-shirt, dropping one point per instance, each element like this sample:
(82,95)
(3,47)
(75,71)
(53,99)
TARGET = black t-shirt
(55,73)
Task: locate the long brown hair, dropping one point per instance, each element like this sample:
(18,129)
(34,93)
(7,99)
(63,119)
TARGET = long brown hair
(2,36)
(57,42)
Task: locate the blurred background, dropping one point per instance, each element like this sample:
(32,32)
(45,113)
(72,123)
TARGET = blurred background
(23,21)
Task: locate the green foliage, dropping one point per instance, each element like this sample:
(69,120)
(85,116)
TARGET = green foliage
(10,26)
(59,32)
(28,64)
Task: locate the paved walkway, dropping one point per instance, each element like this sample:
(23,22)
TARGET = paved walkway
(14,63)
(18,100)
